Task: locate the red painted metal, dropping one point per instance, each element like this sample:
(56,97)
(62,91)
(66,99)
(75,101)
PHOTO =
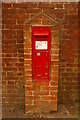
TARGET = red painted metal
(41,38)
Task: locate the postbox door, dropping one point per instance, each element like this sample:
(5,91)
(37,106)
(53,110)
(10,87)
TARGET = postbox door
(41,54)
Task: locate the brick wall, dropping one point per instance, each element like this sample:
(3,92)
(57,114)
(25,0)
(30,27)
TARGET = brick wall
(13,18)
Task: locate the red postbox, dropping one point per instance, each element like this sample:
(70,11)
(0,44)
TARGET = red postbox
(41,44)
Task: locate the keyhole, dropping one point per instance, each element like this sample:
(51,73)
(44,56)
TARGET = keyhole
(46,65)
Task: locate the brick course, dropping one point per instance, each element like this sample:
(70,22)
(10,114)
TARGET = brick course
(13,18)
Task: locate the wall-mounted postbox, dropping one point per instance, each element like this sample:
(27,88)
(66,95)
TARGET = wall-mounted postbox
(41,44)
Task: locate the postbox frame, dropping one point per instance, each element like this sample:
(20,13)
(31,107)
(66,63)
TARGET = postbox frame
(47,34)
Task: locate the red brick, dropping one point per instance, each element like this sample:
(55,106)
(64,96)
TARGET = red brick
(27,45)
(41,103)
(54,83)
(28,93)
(27,51)
(10,73)
(30,107)
(27,62)
(28,102)
(41,5)
(41,93)
(28,82)
(28,66)
(28,78)
(55,51)
(59,5)
(53,102)
(48,98)
(27,56)
(39,83)
(54,93)
(3,82)
(55,58)
(54,63)
(50,88)
(30,98)
(18,27)
(9,11)
(32,10)
(36,88)
(28,72)
(73,16)
(10,82)
(6,5)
